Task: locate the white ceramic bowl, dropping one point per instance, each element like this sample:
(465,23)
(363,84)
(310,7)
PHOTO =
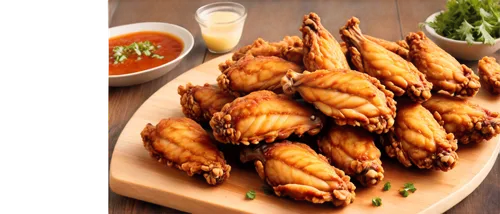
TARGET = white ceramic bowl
(460,49)
(152,73)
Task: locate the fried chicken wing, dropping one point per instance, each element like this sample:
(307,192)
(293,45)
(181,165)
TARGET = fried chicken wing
(290,49)
(201,102)
(263,115)
(418,139)
(251,73)
(399,48)
(440,68)
(467,121)
(184,144)
(489,71)
(321,50)
(295,170)
(353,150)
(397,74)
(350,97)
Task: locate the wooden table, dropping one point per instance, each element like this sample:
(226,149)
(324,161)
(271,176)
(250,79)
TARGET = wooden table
(272,20)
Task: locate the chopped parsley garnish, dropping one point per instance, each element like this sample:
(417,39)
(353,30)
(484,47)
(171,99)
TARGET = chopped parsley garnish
(469,20)
(387,186)
(251,195)
(376,201)
(146,48)
(408,187)
(404,193)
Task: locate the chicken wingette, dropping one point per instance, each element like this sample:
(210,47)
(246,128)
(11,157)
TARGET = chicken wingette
(251,73)
(352,150)
(400,47)
(295,170)
(418,139)
(321,50)
(184,144)
(350,97)
(440,68)
(201,102)
(489,71)
(469,122)
(263,115)
(397,74)
(290,49)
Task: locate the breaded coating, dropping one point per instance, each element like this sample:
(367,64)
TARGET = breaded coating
(418,139)
(395,47)
(201,102)
(295,170)
(469,122)
(440,68)
(185,145)
(349,97)
(290,49)
(251,73)
(489,71)
(353,150)
(263,115)
(321,50)
(397,74)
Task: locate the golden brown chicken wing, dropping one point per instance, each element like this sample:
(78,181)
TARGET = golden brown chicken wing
(321,50)
(251,73)
(290,49)
(263,115)
(353,150)
(489,71)
(417,138)
(440,68)
(350,97)
(467,121)
(397,74)
(295,170)
(201,102)
(182,143)
(395,47)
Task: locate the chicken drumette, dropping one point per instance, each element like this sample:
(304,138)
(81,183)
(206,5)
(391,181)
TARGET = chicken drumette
(467,121)
(321,50)
(489,71)
(350,97)
(397,74)
(251,73)
(295,170)
(353,150)
(263,115)
(440,68)
(290,49)
(184,144)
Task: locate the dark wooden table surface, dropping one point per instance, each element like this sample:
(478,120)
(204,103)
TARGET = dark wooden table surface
(272,20)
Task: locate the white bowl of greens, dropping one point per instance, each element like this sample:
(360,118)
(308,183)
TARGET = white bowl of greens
(466,31)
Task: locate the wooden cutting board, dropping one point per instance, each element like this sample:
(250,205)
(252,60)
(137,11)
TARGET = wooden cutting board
(134,174)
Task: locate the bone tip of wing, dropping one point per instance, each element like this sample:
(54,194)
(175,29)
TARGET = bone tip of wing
(343,197)
(288,80)
(413,37)
(216,173)
(371,177)
(222,127)
(446,160)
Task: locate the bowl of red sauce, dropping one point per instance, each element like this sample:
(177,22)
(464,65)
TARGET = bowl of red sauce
(142,52)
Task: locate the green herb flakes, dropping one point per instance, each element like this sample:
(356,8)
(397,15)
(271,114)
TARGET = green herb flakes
(387,186)
(121,53)
(376,201)
(251,195)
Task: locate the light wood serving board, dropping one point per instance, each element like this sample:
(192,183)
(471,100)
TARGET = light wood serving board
(134,174)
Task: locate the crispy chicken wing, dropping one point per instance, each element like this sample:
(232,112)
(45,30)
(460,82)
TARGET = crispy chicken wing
(182,143)
(321,50)
(350,97)
(295,170)
(263,115)
(201,102)
(489,71)
(417,138)
(440,68)
(399,48)
(353,150)
(251,73)
(290,49)
(467,121)
(397,74)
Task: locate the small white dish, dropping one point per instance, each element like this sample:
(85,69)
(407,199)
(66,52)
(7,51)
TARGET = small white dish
(152,73)
(460,49)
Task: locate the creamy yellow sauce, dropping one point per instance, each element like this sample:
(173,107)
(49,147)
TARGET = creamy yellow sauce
(219,35)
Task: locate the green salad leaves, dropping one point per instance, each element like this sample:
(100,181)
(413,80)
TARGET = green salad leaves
(469,20)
